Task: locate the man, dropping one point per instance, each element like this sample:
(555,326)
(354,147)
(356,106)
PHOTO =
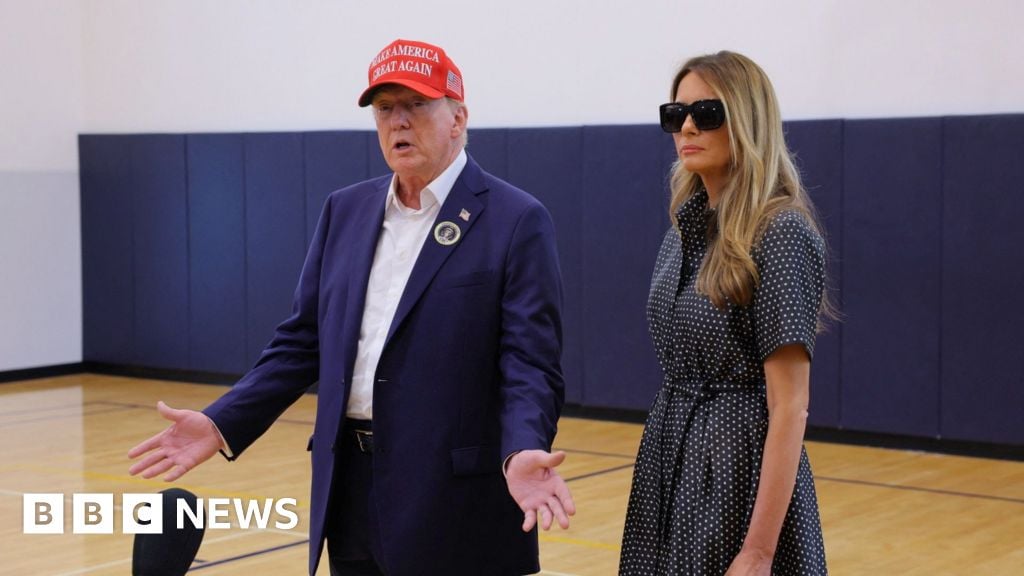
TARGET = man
(429,309)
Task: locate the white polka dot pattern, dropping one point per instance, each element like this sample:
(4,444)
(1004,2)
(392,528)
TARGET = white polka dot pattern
(698,468)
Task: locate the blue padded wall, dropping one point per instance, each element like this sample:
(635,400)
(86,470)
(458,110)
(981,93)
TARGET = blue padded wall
(375,159)
(892,210)
(982,279)
(192,246)
(216,232)
(159,223)
(108,272)
(818,146)
(333,160)
(549,165)
(275,237)
(489,147)
(623,225)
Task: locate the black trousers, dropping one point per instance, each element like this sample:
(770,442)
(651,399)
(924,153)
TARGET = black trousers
(353,541)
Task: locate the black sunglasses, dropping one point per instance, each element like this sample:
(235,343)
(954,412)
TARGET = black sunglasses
(706,114)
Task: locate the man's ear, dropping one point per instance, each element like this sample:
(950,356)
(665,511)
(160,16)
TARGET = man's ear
(461,119)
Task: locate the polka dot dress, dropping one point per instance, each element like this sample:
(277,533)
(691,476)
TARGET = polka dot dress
(697,471)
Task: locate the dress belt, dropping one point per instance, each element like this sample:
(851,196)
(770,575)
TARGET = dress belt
(702,389)
(667,451)
(362,431)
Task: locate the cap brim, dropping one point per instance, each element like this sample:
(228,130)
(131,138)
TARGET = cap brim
(367,96)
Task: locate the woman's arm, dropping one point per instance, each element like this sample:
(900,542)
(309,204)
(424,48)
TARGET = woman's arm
(787,371)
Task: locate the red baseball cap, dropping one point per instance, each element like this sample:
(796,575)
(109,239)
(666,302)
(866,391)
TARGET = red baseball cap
(419,66)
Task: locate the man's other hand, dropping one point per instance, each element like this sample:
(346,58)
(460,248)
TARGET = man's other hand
(191,440)
(541,493)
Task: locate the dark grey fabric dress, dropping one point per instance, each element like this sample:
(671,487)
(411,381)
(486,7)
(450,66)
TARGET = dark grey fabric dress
(697,471)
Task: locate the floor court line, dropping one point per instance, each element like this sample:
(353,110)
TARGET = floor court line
(920,489)
(599,472)
(76,405)
(60,417)
(119,403)
(247,555)
(153,407)
(593,453)
(286,532)
(96,567)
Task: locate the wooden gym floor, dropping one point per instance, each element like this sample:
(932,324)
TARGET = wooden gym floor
(883,511)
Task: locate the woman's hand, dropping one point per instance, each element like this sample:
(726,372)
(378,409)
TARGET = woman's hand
(750,563)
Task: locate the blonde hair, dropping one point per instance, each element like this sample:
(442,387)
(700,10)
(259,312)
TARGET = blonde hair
(763,179)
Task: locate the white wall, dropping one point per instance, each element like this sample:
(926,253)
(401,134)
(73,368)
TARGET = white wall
(292,65)
(40,247)
(70,66)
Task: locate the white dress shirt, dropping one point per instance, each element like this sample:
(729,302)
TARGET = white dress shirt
(398,246)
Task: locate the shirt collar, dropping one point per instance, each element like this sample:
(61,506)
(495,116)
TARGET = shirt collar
(436,192)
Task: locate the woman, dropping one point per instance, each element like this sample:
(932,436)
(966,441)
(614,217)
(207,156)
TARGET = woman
(722,484)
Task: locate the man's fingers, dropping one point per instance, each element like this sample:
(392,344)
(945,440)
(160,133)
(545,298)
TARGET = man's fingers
(542,459)
(172,414)
(545,516)
(565,498)
(532,460)
(158,453)
(530,520)
(555,459)
(158,468)
(145,446)
(539,490)
(177,472)
(146,462)
(559,512)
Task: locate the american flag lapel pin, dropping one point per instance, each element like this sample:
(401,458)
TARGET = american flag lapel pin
(464,215)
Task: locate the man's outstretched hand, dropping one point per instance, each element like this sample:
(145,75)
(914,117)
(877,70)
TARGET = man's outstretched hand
(191,440)
(540,492)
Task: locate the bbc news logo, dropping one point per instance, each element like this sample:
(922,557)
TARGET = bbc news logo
(144,513)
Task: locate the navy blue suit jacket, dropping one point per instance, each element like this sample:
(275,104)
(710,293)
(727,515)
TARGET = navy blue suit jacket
(470,372)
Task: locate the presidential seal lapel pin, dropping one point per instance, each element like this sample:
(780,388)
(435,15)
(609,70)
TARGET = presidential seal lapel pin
(447,233)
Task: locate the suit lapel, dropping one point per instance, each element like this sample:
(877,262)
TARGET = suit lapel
(461,200)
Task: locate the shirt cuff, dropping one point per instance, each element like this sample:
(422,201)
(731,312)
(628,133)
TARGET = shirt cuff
(504,466)
(224,448)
